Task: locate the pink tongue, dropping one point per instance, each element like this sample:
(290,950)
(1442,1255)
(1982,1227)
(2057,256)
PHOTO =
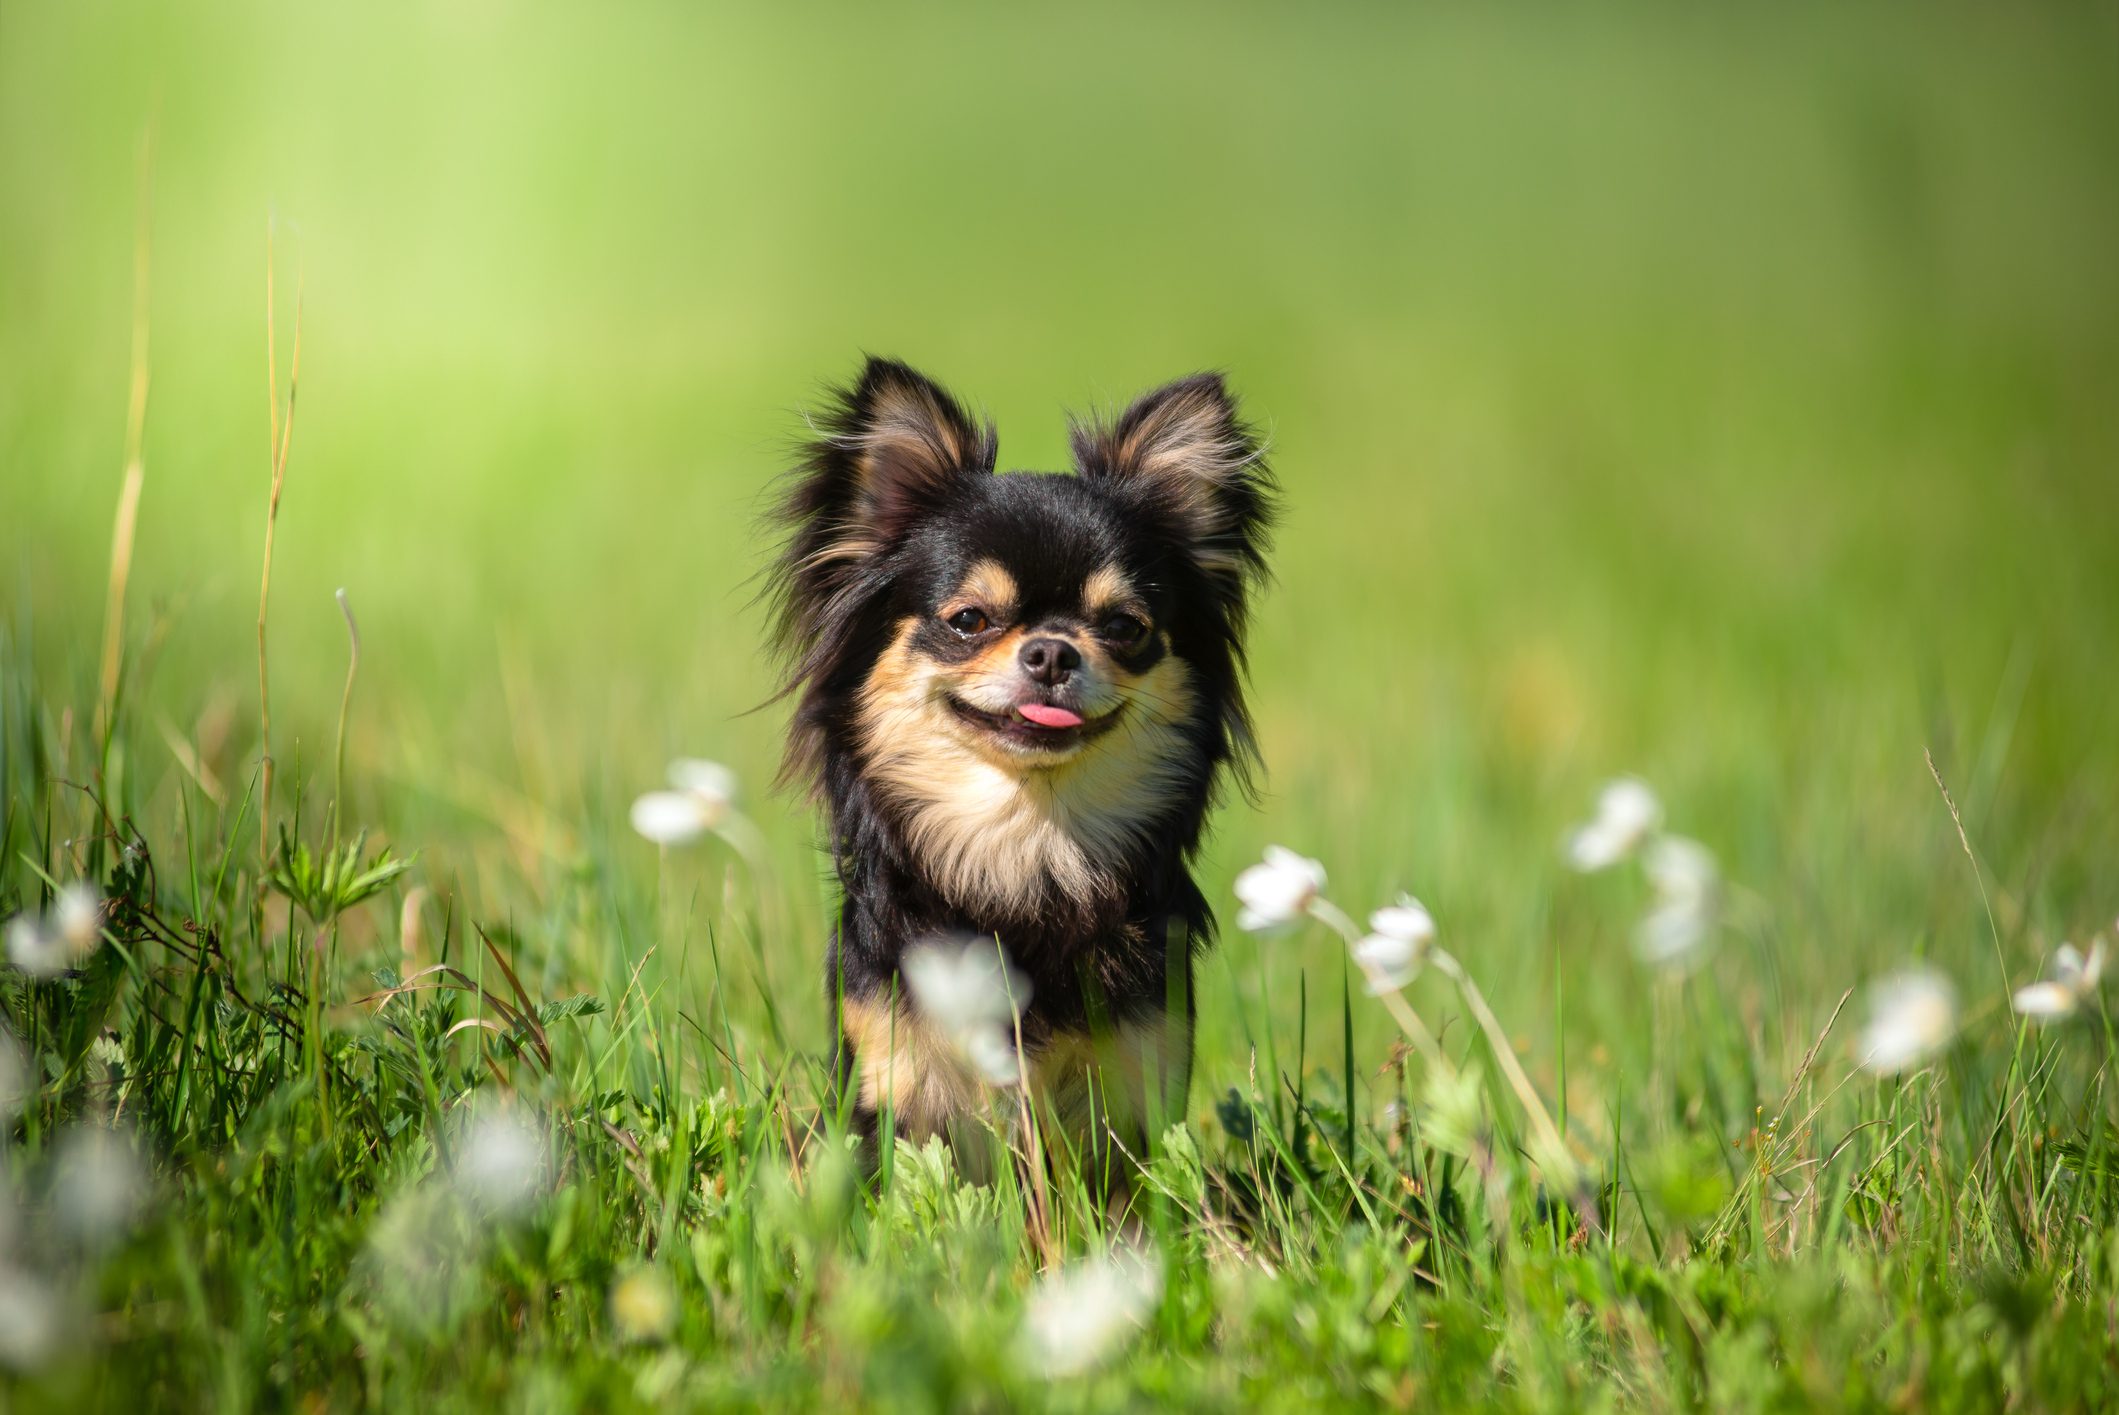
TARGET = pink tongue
(1046,716)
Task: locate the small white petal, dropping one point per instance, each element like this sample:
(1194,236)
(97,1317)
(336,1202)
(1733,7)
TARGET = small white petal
(671,817)
(1301,866)
(1408,919)
(2046,1000)
(1912,1016)
(1075,1318)
(98,1182)
(1627,814)
(713,783)
(77,917)
(1594,848)
(1678,868)
(991,1051)
(1389,962)
(1672,934)
(1279,890)
(2067,965)
(2075,980)
(962,985)
(500,1159)
(35,949)
(30,1326)
(1628,804)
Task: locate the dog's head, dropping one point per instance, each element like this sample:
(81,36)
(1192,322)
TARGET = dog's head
(944,623)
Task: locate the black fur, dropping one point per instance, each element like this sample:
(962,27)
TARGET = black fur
(891,501)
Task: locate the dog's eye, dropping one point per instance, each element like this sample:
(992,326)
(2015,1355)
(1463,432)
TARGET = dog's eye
(968,621)
(1127,631)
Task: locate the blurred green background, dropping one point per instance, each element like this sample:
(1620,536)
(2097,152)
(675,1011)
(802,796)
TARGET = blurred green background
(1726,396)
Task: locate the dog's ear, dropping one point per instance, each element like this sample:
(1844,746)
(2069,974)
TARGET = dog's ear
(889,448)
(1185,457)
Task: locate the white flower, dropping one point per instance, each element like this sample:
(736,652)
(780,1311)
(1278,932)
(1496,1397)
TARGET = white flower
(1076,1317)
(500,1159)
(31,948)
(971,993)
(2075,980)
(713,783)
(1627,814)
(1912,1015)
(990,1048)
(671,817)
(1686,883)
(29,1319)
(46,947)
(1278,891)
(703,800)
(77,916)
(98,1183)
(1397,943)
(962,984)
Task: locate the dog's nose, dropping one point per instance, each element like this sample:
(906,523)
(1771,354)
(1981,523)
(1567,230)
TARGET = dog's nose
(1049,660)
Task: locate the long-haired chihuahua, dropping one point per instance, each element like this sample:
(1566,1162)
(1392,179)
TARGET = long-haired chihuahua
(1017,696)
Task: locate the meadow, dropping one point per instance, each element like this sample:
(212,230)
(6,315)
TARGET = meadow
(1719,401)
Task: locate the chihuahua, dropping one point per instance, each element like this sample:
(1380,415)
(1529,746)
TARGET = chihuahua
(1017,697)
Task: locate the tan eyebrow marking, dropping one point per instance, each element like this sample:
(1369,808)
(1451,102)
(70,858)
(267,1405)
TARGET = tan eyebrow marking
(1106,588)
(989,583)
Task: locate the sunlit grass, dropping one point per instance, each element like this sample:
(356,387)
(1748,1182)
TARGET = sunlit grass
(1722,404)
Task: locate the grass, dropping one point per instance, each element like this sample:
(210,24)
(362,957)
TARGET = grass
(1722,402)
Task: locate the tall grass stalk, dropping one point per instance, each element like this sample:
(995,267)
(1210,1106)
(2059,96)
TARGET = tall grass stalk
(121,540)
(281,430)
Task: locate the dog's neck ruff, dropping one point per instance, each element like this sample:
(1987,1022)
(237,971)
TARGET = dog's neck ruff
(997,839)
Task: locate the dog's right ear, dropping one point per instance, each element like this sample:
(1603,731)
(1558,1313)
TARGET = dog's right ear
(889,448)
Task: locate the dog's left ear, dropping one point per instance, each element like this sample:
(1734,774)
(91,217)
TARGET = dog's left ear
(1184,455)
(891,447)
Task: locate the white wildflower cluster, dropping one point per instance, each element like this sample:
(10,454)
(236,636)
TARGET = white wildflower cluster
(32,1321)
(1285,887)
(1278,891)
(1396,945)
(1681,872)
(94,1185)
(973,995)
(1627,814)
(99,1183)
(500,1159)
(1079,1315)
(423,1249)
(1913,1014)
(700,801)
(2076,978)
(48,944)
(1912,1017)
(1399,942)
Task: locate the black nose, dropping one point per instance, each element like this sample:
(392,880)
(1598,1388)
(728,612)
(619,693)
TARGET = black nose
(1049,660)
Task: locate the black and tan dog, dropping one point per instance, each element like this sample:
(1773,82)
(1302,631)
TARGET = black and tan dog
(1017,695)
